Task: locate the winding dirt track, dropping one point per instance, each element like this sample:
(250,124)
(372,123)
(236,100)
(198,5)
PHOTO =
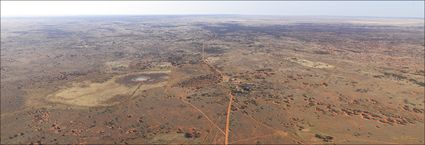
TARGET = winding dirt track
(226,139)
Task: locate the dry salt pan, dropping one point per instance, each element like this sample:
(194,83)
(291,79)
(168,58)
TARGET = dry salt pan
(140,79)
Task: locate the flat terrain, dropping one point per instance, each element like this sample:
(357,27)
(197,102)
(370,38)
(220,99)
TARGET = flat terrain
(212,79)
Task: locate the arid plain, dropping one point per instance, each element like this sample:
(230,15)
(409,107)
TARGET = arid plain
(212,79)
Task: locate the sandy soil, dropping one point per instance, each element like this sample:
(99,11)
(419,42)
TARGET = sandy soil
(212,80)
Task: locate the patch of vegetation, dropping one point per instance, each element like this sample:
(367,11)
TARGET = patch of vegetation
(396,76)
(417,82)
(214,50)
(400,77)
(321,52)
(325,138)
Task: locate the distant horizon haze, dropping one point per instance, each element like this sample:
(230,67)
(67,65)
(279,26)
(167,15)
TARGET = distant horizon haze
(385,9)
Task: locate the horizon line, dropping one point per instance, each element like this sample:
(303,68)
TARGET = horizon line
(212,14)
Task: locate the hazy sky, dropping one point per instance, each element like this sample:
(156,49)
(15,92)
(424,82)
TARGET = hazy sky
(294,8)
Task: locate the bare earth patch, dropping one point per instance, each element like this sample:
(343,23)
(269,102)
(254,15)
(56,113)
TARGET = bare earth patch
(116,66)
(308,63)
(97,94)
